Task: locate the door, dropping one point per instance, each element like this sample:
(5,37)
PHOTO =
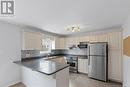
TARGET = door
(101,68)
(92,67)
(97,49)
(97,67)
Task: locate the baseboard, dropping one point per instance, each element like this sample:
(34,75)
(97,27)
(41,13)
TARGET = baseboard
(117,81)
(82,73)
(12,83)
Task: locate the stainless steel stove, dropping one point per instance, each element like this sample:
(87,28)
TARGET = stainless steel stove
(73,62)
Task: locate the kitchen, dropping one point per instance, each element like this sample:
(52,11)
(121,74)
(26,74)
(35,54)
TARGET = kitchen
(60,44)
(76,51)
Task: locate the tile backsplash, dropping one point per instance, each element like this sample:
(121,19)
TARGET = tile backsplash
(77,51)
(33,53)
(38,53)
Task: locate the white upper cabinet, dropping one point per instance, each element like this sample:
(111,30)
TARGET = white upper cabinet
(92,38)
(60,43)
(32,40)
(70,41)
(115,40)
(75,40)
(102,38)
(57,44)
(84,39)
(37,41)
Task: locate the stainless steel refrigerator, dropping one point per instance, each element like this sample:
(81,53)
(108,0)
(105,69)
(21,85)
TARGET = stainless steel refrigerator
(98,61)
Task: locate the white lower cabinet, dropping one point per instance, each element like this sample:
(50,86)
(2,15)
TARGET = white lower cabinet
(83,66)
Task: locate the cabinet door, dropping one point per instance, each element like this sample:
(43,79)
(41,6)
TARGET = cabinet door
(115,40)
(102,38)
(86,66)
(80,65)
(93,38)
(83,66)
(57,42)
(68,42)
(33,40)
(115,64)
(74,40)
(60,43)
(84,39)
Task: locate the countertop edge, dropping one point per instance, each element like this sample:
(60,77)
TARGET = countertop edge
(20,64)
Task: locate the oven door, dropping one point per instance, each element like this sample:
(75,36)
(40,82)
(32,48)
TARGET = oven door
(72,64)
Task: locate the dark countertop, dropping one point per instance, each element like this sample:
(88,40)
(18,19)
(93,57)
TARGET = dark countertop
(76,55)
(41,65)
(67,55)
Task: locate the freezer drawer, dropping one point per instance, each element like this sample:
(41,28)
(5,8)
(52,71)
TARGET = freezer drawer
(97,68)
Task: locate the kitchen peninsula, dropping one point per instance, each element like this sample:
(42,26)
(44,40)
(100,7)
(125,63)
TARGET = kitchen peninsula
(41,72)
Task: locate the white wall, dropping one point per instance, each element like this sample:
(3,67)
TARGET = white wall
(126,59)
(10,50)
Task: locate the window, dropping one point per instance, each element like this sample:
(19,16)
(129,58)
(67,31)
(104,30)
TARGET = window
(48,42)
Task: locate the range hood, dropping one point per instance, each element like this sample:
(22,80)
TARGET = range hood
(83,45)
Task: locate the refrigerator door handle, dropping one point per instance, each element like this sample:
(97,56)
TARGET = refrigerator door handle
(89,61)
(89,56)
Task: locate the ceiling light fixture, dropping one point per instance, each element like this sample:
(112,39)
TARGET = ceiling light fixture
(73,28)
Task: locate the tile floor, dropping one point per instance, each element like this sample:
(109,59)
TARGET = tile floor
(80,80)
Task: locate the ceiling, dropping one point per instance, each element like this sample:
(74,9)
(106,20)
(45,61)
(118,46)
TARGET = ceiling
(55,15)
